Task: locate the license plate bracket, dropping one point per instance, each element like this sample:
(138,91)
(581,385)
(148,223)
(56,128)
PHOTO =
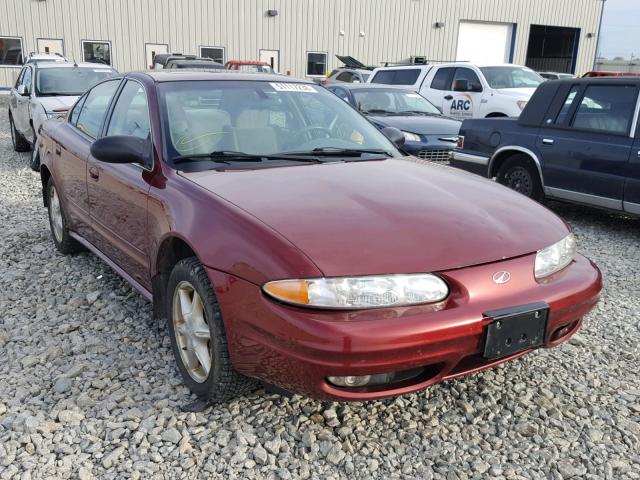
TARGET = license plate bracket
(515,329)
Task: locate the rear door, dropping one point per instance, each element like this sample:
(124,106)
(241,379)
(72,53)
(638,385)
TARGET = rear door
(118,192)
(437,85)
(585,150)
(632,185)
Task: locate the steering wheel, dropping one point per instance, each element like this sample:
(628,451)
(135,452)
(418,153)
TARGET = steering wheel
(314,128)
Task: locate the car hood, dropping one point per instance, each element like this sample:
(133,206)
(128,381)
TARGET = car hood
(389,216)
(422,125)
(519,93)
(51,103)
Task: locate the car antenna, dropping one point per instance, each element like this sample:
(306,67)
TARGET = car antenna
(75,64)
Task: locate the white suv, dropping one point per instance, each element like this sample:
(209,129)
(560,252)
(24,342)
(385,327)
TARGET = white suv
(464,90)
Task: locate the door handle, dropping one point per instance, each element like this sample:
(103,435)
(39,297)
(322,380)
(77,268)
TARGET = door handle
(548,141)
(449,97)
(94,173)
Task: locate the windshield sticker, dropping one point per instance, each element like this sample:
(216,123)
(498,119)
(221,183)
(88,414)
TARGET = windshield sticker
(293,87)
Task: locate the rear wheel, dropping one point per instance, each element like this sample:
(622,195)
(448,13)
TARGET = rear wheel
(59,231)
(198,337)
(20,144)
(519,174)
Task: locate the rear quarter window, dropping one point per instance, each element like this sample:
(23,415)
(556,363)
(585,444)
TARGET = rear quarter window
(404,76)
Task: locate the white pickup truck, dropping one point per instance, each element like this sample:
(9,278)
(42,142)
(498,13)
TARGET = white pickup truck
(464,90)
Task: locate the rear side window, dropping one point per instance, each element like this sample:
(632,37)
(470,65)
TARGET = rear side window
(566,106)
(95,107)
(442,79)
(345,77)
(403,76)
(606,108)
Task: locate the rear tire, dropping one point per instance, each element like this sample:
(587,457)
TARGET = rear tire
(519,174)
(58,222)
(198,337)
(20,144)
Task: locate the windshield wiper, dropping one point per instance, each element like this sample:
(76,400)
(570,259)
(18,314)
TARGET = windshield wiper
(227,156)
(342,152)
(378,110)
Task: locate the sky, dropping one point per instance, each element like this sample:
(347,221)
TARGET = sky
(620,33)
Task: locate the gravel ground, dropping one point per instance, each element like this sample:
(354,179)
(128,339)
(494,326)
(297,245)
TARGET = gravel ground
(88,389)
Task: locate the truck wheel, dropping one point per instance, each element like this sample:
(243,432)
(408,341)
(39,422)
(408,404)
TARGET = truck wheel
(20,144)
(198,338)
(519,174)
(58,223)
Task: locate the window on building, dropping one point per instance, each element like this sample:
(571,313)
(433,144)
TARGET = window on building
(607,108)
(316,64)
(214,53)
(11,51)
(96,51)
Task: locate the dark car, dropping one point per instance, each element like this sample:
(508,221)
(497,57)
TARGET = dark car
(577,140)
(194,64)
(428,134)
(284,238)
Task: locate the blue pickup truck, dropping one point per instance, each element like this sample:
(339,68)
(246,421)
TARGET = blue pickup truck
(577,140)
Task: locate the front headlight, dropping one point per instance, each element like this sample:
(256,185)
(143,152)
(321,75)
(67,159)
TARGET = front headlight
(554,258)
(411,137)
(359,292)
(522,104)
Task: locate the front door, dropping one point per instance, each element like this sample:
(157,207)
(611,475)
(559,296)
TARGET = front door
(52,46)
(586,151)
(153,49)
(118,192)
(21,103)
(272,57)
(463,105)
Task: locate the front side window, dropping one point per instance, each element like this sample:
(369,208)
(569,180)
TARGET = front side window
(511,77)
(404,76)
(606,108)
(94,108)
(11,51)
(131,113)
(256,117)
(394,102)
(214,53)
(316,64)
(68,81)
(96,52)
(26,79)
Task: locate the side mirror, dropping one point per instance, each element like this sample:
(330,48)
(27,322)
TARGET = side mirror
(476,87)
(121,149)
(461,85)
(22,90)
(395,135)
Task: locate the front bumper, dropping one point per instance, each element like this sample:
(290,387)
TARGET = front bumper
(296,349)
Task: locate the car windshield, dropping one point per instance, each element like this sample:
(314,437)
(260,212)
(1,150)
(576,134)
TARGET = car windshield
(511,77)
(263,118)
(68,81)
(391,101)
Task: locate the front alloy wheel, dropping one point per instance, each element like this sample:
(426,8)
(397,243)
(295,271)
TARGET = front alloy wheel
(58,223)
(191,331)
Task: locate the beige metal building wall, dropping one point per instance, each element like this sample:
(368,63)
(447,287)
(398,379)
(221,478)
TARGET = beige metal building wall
(370,30)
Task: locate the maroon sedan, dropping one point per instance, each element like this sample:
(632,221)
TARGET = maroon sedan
(285,239)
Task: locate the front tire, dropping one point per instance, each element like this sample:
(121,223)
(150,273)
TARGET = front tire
(519,174)
(198,337)
(20,144)
(58,222)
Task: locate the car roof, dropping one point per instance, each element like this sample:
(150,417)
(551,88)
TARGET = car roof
(95,66)
(177,75)
(371,86)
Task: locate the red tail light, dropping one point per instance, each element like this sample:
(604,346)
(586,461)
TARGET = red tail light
(460,143)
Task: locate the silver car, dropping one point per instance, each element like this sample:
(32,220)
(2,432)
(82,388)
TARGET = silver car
(45,90)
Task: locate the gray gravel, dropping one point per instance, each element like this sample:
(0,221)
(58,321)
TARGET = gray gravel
(88,389)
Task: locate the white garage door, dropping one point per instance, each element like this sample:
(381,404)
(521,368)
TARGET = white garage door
(484,42)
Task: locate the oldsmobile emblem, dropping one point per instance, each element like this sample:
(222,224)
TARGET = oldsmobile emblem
(501,277)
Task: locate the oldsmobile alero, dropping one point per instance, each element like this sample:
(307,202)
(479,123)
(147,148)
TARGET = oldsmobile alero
(285,239)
